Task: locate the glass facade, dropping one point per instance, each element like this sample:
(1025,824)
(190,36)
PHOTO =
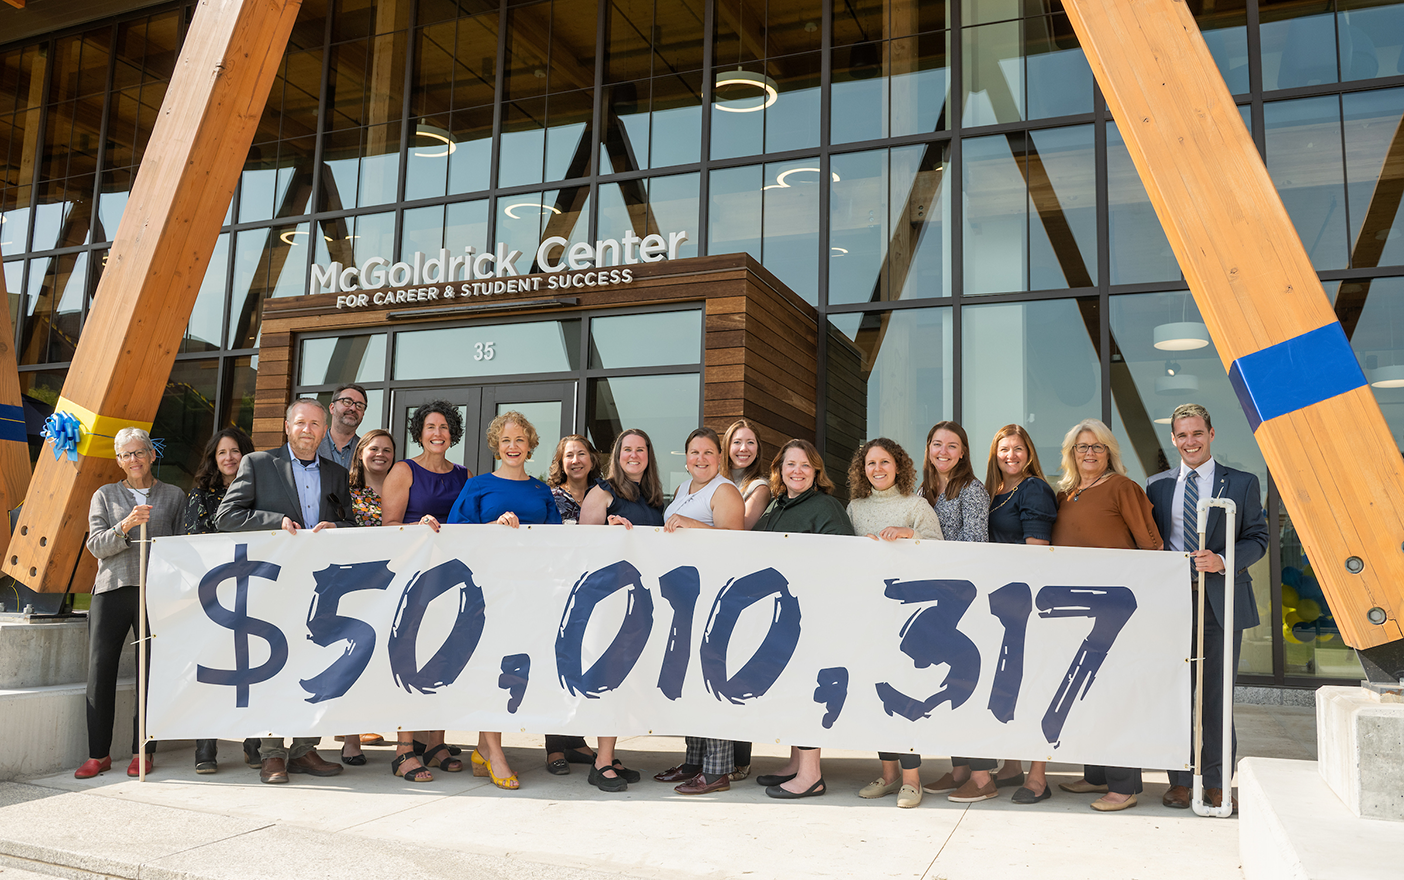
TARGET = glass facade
(940,179)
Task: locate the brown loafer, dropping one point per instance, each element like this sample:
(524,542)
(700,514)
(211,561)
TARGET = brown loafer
(971,793)
(945,783)
(273,771)
(676,774)
(313,765)
(699,785)
(1177,797)
(1214,797)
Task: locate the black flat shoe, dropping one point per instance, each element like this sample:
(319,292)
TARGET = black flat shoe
(1017,779)
(353,760)
(1026,795)
(558,767)
(575,756)
(774,779)
(814,790)
(629,776)
(607,783)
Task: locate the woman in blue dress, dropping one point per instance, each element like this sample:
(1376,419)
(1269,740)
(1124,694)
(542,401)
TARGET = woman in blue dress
(509,496)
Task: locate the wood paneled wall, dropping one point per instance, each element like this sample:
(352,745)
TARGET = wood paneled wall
(761,339)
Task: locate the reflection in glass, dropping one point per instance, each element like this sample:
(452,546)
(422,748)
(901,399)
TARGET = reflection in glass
(889,225)
(1370,34)
(1311,639)
(889,374)
(894,88)
(766,107)
(54,308)
(652,36)
(267,263)
(364,166)
(1298,44)
(569,134)
(523,142)
(238,406)
(206,325)
(1225,30)
(673,204)
(654,340)
(734,211)
(858,21)
(333,360)
(185,418)
(993,72)
(666,407)
(277,181)
(1059,79)
(1139,250)
(790,227)
(1372,314)
(465,225)
(1034,364)
(1373,135)
(488,350)
(1303,139)
(652,124)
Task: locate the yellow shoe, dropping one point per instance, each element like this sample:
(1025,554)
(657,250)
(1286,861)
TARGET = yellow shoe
(482,767)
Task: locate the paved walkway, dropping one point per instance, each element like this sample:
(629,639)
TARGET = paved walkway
(366,823)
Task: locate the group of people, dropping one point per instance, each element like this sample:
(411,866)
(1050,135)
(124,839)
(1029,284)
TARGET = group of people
(328,476)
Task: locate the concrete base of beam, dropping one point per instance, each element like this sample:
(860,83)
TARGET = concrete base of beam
(1360,751)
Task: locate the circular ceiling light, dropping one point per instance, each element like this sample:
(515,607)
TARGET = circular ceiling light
(744,79)
(781,183)
(434,133)
(1388,377)
(540,206)
(1181,336)
(287,236)
(838,251)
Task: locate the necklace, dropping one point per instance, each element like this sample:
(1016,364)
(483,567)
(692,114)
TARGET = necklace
(1079,492)
(1010,493)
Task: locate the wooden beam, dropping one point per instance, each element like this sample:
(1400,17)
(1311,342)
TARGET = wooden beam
(157,262)
(1331,453)
(14,441)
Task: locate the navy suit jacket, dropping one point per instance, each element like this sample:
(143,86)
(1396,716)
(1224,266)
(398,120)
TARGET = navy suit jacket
(1249,544)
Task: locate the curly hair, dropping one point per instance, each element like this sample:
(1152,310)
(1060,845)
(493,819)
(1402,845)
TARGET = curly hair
(494,431)
(621,486)
(962,474)
(858,484)
(208,476)
(556,476)
(358,469)
(443,408)
(822,483)
(994,476)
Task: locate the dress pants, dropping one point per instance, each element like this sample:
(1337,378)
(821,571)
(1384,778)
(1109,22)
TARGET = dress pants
(1213,762)
(272,747)
(112,615)
(905,760)
(975,763)
(742,752)
(715,755)
(1122,780)
(560,742)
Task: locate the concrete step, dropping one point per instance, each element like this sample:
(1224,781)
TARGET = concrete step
(1293,827)
(45,729)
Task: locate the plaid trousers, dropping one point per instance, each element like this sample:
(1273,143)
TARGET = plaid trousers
(717,756)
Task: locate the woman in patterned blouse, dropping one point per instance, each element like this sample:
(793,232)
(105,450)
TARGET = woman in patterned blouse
(575,468)
(374,457)
(217,470)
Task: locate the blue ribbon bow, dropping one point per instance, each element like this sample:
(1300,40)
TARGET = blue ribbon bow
(62,430)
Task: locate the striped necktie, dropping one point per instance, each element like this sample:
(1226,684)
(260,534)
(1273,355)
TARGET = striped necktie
(1191,512)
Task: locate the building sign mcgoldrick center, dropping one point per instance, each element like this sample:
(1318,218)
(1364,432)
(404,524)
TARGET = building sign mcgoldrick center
(378,282)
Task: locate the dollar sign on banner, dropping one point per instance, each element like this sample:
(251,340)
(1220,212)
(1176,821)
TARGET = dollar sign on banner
(241,676)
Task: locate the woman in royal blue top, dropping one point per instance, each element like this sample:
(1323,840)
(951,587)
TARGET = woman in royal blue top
(420,490)
(510,497)
(1022,511)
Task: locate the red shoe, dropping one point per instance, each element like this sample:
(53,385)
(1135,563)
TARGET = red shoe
(93,767)
(134,768)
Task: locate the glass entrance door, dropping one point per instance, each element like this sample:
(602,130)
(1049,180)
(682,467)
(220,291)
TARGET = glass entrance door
(549,406)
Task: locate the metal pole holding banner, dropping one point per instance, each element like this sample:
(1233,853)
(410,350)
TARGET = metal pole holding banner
(1225,808)
(141,661)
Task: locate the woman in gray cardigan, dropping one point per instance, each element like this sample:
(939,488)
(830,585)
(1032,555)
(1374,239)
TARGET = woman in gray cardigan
(114,530)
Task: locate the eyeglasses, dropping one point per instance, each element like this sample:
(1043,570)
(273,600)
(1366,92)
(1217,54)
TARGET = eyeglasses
(347,401)
(128,456)
(1095,449)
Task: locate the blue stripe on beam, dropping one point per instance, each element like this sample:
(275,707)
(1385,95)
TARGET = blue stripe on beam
(1295,374)
(11,413)
(12,430)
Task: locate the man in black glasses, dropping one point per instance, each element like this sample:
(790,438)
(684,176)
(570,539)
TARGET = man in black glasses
(348,407)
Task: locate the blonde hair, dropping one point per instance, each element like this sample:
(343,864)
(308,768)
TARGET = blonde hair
(494,431)
(994,476)
(1098,429)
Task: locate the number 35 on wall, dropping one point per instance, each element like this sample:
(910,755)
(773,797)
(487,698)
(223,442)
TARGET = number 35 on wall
(483,351)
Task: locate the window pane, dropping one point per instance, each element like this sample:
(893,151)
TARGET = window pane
(1034,364)
(207,319)
(766,107)
(1062,175)
(185,419)
(995,221)
(1371,36)
(239,402)
(523,151)
(888,374)
(1059,79)
(342,359)
(1225,30)
(1372,137)
(1311,639)
(488,350)
(569,135)
(58,287)
(920,88)
(1298,44)
(466,224)
(993,69)
(734,211)
(653,340)
(1305,162)
(676,121)
(1139,250)
(790,246)
(667,408)
(1147,383)
(673,202)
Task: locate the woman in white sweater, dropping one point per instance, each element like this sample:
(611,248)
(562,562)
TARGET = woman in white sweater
(885,506)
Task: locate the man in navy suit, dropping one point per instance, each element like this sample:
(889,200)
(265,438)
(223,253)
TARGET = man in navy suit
(1197,476)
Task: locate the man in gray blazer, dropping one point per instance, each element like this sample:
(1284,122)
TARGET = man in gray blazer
(290,488)
(1173,495)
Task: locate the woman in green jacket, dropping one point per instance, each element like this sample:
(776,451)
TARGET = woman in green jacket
(802,505)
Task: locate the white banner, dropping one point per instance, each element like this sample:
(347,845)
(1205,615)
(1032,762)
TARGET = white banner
(993,650)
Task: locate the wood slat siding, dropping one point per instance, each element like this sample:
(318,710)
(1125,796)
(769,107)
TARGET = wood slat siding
(1335,461)
(760,340)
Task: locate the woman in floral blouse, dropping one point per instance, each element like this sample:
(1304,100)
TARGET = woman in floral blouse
(217,470)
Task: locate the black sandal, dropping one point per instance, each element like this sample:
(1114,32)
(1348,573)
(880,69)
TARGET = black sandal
(415,774)
(419,748)
(448,763)
(558,767)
